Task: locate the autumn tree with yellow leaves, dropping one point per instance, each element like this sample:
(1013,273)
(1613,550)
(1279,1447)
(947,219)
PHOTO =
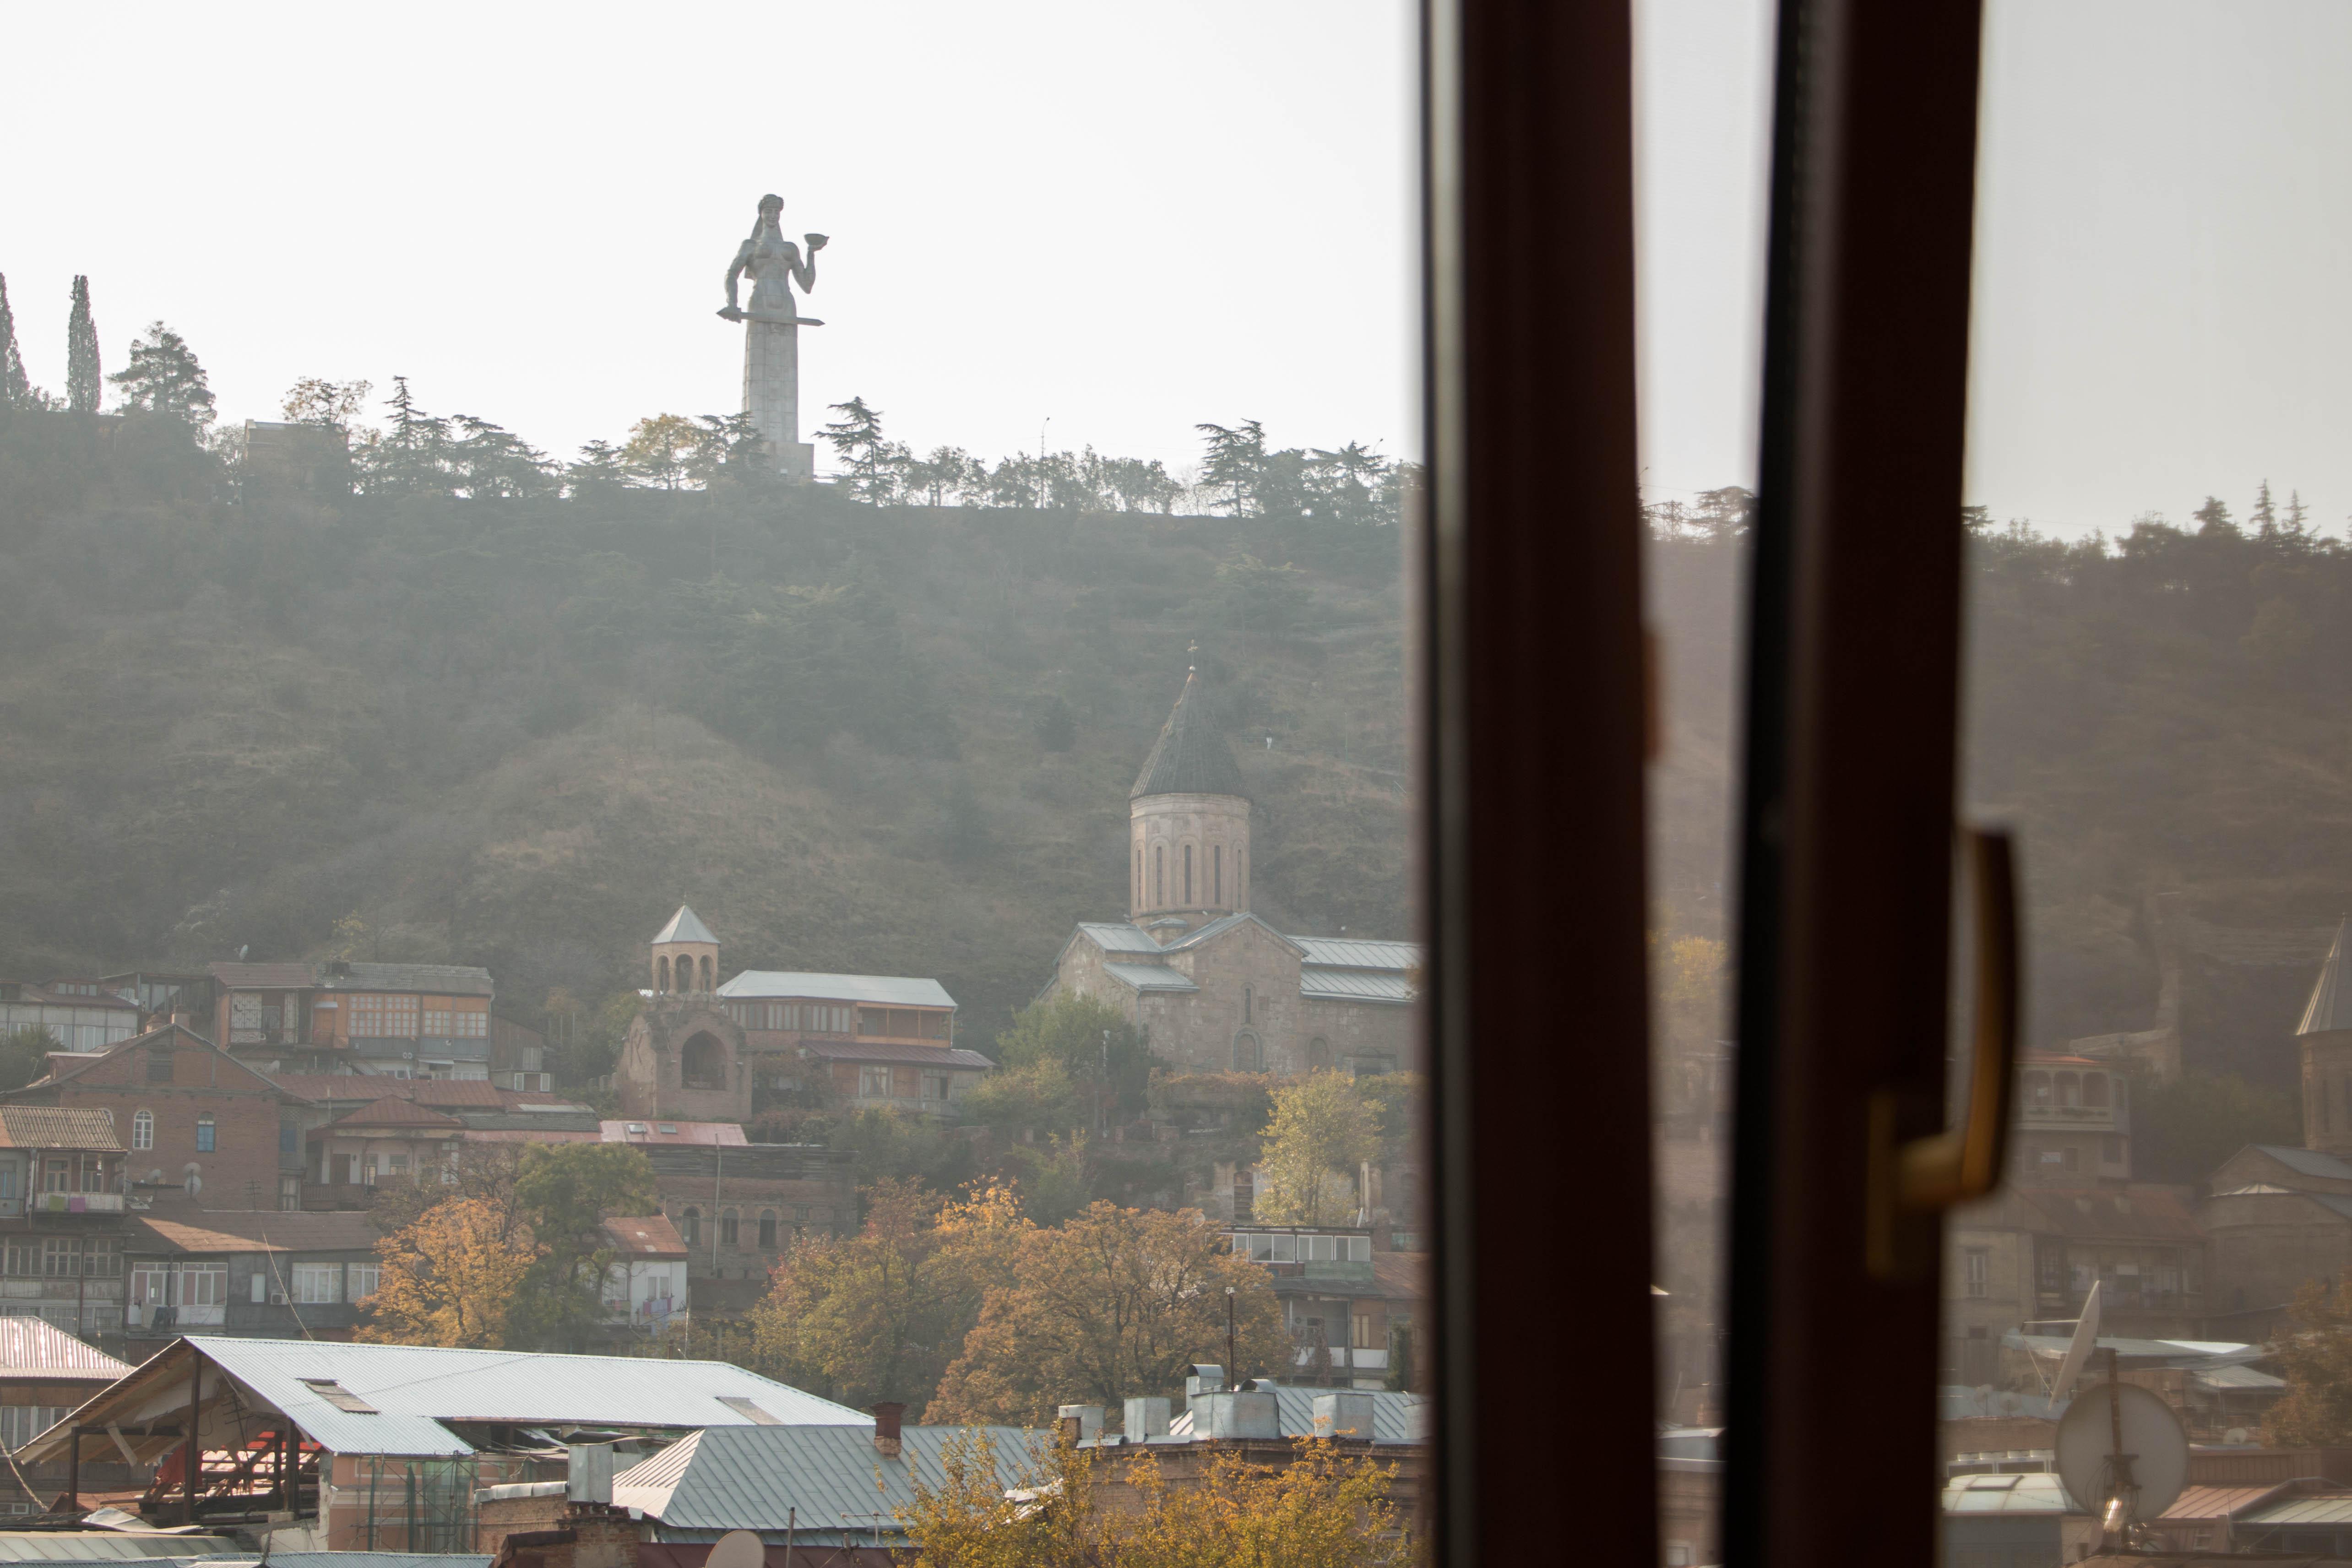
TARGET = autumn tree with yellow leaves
(450,1278)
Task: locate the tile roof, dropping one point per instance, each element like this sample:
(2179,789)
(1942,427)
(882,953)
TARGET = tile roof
(644,1236)
(177,1224)
(757,1477)
(894,990)
(2330,1007)
(1191,757)
(1401,1276)
(31,1347)
(654,1130)
(904,1055)
(57,1127)
(417,1388)
(685,926)
(263,977)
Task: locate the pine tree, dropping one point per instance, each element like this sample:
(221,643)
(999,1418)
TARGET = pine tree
(2295,526)
(2264,516)
(2213,517)
(82,385)
(16,388)
(163,377)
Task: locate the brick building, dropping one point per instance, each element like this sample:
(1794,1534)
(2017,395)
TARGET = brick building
(738,1207)
(1214,987)
(400,1020)
(189,1115)
(2279,1217)
(251,1273)
(711,1054)
(61,1218)
(79,1015)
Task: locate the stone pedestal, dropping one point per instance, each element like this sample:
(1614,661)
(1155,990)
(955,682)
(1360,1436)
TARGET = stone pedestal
(771,393)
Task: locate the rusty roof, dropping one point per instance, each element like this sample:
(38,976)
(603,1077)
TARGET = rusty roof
(644,1236)
(393,1112)
(30,1347)
(57,1127)
(1401,1276)
(176,1224)
(2216,1502)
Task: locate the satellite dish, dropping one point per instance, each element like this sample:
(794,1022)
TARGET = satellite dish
(737,1549)
(2156,1448)
(2078,1348)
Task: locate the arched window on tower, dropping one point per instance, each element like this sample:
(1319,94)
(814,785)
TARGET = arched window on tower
(1158,874)
(1247,1000)
(1138,876)
(1217,875)
(708,984)
(702,1064)
(661,975)
(1188,873)
(1246,1055)
(767,1230)
(729,1227)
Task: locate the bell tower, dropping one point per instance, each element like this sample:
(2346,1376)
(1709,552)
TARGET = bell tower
(1188,825)
(685,956)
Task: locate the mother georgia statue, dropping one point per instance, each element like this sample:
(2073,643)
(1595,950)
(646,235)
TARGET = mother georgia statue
(771,393)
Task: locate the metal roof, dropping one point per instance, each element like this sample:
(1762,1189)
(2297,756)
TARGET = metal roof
(654,1130)
(2330,1007)
(416,1388)
(31,1347)
(1360,953)
(1225,923)
(57,1127)
(894,990)
(2215,1502)
(183,1227)
(1396,1417)
(2221,1378)
(2335,1509)
(2186,1353)
(1150,977)
(685,926)
(955,1057)
(437,980)
(752,1478)
(1352,986)
(108,1546)
(375,1559)
(1191,757)
(2308,1162)
(1118,936)
(2028,1493)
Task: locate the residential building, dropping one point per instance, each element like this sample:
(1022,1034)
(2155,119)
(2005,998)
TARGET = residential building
(80,1016)
(2279,1217)
(646,1291)
(314,1099)
(1213,987)
(383,1446)
(2072,1122)
(46,1373)
(859,1040)
(61,1218)
(399,1020)
(2030,1254)
(256,1273)
(1339,1296)
(397,1142)
(520,1058)
(738,1208)
(190,1116)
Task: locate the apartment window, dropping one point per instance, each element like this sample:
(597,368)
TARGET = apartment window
(103,1258)
(690,1226)
(364,1279)
(60,1176)
(60,1255)
(142,1129)
(935,1085)
(318,1284)
(20,1424)
(290,1193)
(874,1083)
(456,1018)
(728,1228)
(1363,1338)
(93,1176)
(1975,1267)
(383,1017)
(204,1134)
(767,1230)
(204,1285)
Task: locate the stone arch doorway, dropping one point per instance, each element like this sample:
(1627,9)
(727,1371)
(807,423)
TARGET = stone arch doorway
(1249,1055)
(702,1063)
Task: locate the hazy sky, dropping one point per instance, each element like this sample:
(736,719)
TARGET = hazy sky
(1132,218)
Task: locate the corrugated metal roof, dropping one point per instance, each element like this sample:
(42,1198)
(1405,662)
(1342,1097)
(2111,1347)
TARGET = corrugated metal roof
(416,1388)
(686,925)
(2215,1502)
(751,1478)
(1225,923)
(185,1228)
(2032,1493)
(57,1127)
(1352,986)
(108,1546)
(27,991)
(1191,757)
(377,1559)
(893,990)
(436,979)
(2221,1378)
(954,1057)
(653,1130)
(1393,1417)
(2186,1352)
(30,1347)
(393,1112)
(1360,953)
(2333,1509)
(2308,1162)
(1150,977)
(2330,1007)
(1118,936)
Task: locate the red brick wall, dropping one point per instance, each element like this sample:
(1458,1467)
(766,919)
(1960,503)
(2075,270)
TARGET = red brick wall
(241,1171)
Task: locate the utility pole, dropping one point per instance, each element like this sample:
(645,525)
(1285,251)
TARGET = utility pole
(1102,1113)
(1042,488)
(1232,1372)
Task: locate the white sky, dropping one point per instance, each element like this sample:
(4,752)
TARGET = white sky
(1131,218)
(1128,218)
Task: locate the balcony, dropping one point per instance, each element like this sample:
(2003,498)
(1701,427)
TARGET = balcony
(70,1203)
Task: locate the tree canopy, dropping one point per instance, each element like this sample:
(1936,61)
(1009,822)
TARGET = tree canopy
(1322,1132)
(163,377)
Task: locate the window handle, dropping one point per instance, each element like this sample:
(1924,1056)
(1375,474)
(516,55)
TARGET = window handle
(1924,1175)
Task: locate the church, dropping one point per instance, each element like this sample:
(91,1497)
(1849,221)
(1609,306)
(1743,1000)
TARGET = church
(1213,987)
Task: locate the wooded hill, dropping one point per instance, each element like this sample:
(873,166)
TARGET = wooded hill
(518,733)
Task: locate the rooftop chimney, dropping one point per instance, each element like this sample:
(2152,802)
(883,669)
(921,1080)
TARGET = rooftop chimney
(1146,1417)
(887,1416)
(1089,1418)
(588,1475)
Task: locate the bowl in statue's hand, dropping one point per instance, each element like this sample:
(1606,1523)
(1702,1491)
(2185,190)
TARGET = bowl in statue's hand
(814,241)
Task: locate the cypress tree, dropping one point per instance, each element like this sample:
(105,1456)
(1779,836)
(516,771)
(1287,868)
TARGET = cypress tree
(16,388)
(81,352)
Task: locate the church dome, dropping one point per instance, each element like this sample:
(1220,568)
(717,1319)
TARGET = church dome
(1191,758)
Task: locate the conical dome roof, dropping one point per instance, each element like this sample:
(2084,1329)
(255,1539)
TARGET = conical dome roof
(2330,1007)
(685,926)
(1191,758)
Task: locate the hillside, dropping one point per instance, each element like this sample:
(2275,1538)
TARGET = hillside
(518,733)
